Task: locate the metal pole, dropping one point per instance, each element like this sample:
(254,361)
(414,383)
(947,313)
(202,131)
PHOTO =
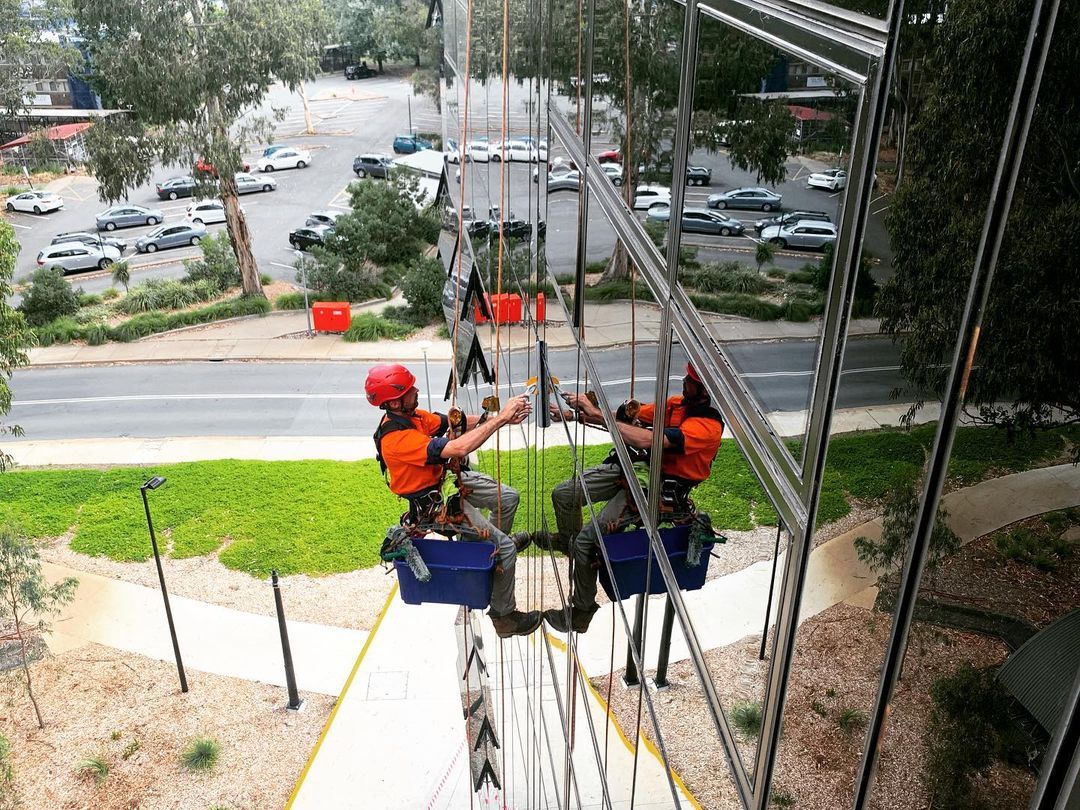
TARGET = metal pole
(630,678)
(424,346)
(303,280)
(295,703)
(772,584)
(409,100)
(164,593)
(665,645)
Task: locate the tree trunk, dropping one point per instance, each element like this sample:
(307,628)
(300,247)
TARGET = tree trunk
(309,127)
(236,224)
(22,653)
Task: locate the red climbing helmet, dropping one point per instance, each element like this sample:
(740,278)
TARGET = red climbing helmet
(691,372)
(386,383)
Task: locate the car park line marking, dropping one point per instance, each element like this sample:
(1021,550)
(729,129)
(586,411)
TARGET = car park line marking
(279,264)
(24,227)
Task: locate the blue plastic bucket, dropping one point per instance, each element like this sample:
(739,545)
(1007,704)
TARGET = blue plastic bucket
(629,552)
(461,573)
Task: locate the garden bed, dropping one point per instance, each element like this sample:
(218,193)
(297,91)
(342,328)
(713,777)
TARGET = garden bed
(104,703)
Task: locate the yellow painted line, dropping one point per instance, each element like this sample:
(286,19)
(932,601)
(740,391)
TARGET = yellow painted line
(341,698)
(649,746)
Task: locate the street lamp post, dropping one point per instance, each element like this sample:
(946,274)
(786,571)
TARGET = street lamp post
(424,346)
(303,280)
(154,483)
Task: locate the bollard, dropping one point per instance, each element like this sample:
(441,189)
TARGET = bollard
(631,677)
(665,645)
(295,703)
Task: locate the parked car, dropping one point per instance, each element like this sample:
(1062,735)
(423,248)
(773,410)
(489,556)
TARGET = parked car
(755,197)
(407,144)
(127,216)
(361,71)
(647,196)
(287,158)
(206,212)
(375,165)
(809,234)
(614,172)
(204,166)
(324,217)
(563,181)
(37,202)
(277,147)
(698,175)
(831,179)
(610,156)
(88,238)
(518,151)
(518,229)
(72,256)
(304,238)
(555,169)
(791,216)
(475,151)
(249,183)
(168,236)
(176,187)
(700,220)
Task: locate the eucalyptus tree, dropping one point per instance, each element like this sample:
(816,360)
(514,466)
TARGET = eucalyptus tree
(192,76)
(15,335)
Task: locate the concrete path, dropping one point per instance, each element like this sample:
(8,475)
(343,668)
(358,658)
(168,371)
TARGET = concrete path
(405,692)
(835,573)
(280,336)
(212,639)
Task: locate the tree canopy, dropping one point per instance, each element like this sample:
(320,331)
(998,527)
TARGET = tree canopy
(192,75)
(15,336)
(1029,348)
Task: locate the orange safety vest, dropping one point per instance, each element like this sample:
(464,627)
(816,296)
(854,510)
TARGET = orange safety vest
(401,447)
(702,428)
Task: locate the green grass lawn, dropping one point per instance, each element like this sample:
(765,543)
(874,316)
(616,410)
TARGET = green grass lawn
(321,517)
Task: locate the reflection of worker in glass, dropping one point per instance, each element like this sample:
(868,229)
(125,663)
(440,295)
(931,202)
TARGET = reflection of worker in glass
(692,433)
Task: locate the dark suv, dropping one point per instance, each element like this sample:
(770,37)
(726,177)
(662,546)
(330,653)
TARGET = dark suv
(361,71)
(372,165)
(792,217)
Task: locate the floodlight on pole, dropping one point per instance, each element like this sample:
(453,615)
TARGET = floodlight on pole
(154,483)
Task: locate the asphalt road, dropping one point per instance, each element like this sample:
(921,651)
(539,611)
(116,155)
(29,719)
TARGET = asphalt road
(325,399)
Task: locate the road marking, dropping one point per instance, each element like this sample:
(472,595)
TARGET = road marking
(757,375)
(24,227)
(286,266)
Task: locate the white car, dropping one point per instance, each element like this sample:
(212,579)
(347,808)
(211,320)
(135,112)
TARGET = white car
(648,196)
(71,256)
(832,179)
(476,152)
(288,158)
(206,212)
(807,233)
(614,172)
(36,202)
(516,151)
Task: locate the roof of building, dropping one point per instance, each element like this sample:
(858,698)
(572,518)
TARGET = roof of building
(57,133)
(1040,674)
(809,113)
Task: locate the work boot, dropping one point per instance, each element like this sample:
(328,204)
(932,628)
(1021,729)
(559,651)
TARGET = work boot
(579,619)
(522,540)
(516,623)
(552,541)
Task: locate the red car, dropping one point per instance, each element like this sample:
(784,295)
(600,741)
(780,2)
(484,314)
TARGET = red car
(204,166)
(610,156)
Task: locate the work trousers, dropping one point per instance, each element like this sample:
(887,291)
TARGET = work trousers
(602,483)
(484,493)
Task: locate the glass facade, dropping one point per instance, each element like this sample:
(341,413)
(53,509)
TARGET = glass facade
(748,186)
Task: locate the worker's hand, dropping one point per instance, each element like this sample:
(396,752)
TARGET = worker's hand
(559,415)
(581,404)
(516,410)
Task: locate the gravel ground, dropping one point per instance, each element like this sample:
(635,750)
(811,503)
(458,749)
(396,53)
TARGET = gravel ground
(90,695)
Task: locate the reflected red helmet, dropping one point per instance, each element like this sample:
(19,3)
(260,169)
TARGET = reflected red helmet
(386,383)
(691,372)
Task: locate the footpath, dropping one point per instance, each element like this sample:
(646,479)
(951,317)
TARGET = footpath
(281,336)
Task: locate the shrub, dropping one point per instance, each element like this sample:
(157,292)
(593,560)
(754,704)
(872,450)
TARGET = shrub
(442,332)
(1039,546)
(422,286)
(781,798)
(121,273)
(819,708)
(130,749)
(368,327)
(334,280)
(850,719)
(800,309)
(729,277)
(110,294)
(201,754)
(293,300)
(88,299)
(656,231)
(897,526)
(96,767)
(141,299)
(49,297)
(970,728)
(746,717)
(7,775)
(737,304)
(265,279)
(218,263)
(775,272)
(803,276)
(599,266)
(96,334)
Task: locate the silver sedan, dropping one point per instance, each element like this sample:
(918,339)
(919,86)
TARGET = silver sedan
(128,216)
